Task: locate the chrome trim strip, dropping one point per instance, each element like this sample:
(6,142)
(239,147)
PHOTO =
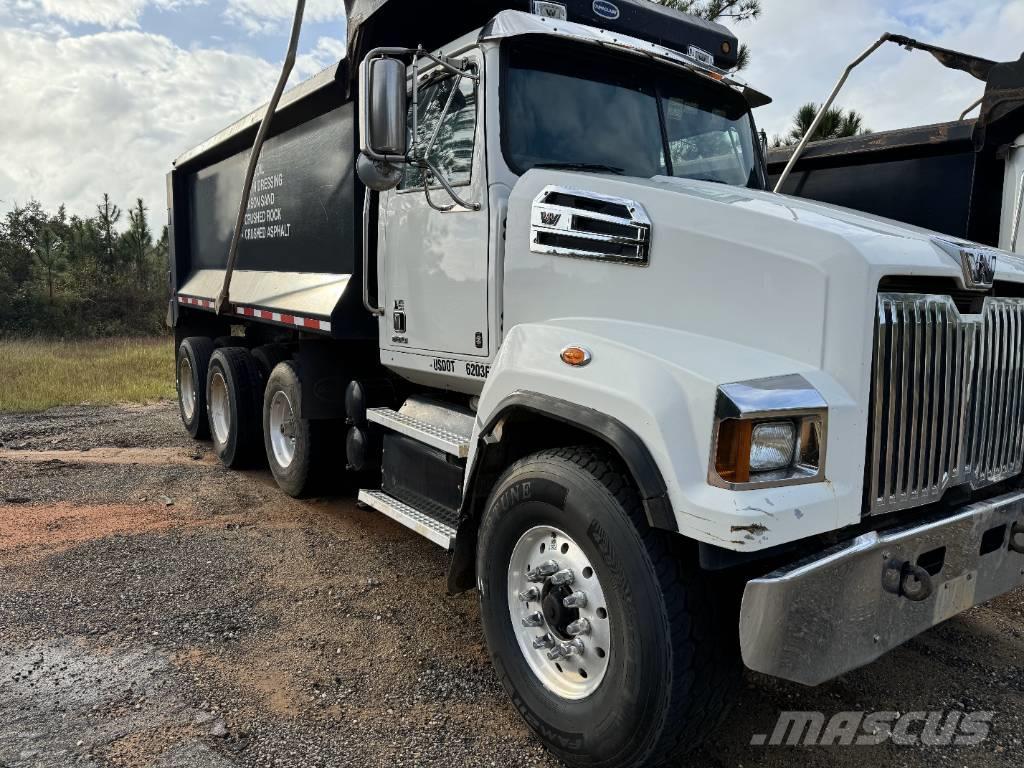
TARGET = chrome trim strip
(517,23)
(367,211)
(948,404)
(775,397)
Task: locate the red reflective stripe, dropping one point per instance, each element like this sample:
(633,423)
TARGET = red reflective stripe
(262,314)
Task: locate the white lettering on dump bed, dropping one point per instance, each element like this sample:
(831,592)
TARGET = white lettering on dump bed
(264,219)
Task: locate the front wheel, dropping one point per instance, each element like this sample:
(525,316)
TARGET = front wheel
(614,652)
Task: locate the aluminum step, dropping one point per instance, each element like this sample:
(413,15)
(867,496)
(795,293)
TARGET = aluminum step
(443,437)
(438,531)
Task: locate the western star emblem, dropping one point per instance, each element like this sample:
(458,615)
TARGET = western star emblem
(549,219)
(978,264)
(979,267)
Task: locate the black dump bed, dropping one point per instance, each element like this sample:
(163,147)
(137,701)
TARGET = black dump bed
(299,260)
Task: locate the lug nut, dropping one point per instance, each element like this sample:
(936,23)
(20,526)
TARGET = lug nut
(575,600)
(556,653)
(562,577)
(544,641)
(534,620)
(529,595)
(579,627)
(542,571)
(568,648)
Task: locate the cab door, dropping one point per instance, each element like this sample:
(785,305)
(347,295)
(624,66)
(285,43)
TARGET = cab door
(435,262)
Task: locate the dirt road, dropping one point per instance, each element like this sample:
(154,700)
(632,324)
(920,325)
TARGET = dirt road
(158,610)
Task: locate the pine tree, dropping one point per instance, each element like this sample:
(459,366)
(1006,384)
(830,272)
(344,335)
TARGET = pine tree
(721,10)
(836,124)
(139,240)
(50,253)
(107,217)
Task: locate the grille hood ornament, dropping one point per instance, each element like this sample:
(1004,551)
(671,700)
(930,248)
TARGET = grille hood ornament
(977,263)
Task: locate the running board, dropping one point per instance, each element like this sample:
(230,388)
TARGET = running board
(443,437)
(438,531)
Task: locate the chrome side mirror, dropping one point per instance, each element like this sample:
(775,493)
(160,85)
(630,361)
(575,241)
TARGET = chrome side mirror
(388,108)
(384,130)
(385,109)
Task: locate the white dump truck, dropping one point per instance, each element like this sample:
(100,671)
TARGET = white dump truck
(511,271)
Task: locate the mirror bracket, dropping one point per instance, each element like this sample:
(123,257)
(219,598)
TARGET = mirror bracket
(461,68)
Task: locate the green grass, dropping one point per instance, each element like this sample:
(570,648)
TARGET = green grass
(36,375)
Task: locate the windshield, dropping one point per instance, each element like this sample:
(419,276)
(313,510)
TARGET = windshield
(589,110)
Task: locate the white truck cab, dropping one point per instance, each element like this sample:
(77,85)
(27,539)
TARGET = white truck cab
(666,421)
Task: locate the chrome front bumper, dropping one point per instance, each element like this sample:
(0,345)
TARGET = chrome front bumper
(814,620)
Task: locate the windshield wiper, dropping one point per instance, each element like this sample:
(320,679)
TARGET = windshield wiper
(705,178)
(591,167)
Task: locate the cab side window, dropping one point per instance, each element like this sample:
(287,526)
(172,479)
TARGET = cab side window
(452,153)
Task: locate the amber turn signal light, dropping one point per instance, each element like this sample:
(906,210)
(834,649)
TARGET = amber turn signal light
(732,453)
(576,356)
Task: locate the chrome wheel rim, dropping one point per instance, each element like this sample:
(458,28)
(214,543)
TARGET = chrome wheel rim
(220,408)
(282,429)
(186,388)
(558,612)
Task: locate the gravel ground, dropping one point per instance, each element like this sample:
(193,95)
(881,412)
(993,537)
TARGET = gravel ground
(157,610)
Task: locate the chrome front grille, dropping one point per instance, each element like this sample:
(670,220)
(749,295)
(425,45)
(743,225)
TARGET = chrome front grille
(948,405)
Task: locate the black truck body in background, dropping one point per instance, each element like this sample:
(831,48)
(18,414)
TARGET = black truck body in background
(946,177)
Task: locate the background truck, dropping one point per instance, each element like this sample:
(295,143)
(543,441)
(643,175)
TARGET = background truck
(964,178)
(512,270)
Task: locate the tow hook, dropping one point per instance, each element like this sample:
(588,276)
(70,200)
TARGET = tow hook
(1017,538)
(902,577)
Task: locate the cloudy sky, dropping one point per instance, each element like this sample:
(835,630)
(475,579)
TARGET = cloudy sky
(100,95)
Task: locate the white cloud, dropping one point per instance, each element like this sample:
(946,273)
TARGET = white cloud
(111,14)
(268,16)
(800,48)
(109,113)
(328,51)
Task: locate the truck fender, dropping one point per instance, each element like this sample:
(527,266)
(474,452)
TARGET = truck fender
(640,395)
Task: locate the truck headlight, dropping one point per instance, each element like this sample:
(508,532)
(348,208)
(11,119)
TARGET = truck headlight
(768,432)
(772,446)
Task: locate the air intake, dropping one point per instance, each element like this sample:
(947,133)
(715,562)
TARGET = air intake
(586,225)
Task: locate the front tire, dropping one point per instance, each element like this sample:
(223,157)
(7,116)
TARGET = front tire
(655,666)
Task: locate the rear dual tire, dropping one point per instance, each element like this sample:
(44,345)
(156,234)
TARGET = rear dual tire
(191,368)
(234,397)
(293,445)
